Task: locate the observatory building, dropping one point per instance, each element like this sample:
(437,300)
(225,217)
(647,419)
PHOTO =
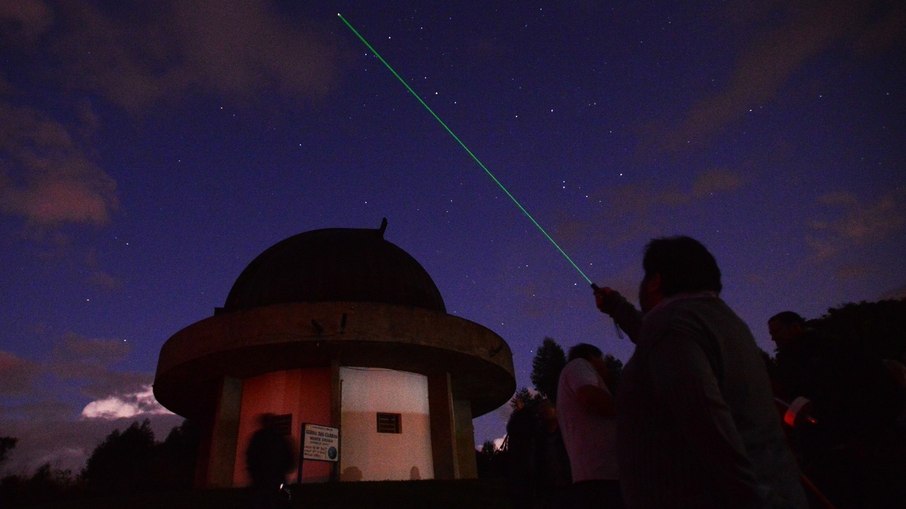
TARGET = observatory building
(337,328)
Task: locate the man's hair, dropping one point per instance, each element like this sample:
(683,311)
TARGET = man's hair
(787,318)
(685,265)
(584,351)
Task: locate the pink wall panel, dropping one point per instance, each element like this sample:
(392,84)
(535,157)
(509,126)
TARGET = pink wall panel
(304,393)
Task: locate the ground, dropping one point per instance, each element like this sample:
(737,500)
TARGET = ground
(465,494)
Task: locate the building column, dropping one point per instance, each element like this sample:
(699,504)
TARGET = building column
(443,431)
(219,452)
(465,439)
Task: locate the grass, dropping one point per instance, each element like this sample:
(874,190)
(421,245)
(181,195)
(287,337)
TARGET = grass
(428,494)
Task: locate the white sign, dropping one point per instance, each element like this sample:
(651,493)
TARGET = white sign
(320,443)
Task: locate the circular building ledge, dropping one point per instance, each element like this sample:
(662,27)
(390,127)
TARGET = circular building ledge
(245,343)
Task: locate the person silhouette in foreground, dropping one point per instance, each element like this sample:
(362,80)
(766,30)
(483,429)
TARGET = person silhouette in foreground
(697,426)
(552,462)
(842,418)
(589,426)
(521,431)
(269,458)
(796,356)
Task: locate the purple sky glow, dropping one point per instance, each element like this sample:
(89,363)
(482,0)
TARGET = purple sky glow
(150,150)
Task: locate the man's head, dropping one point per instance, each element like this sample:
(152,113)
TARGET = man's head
(592,354)
(675,265)
(547,412)
(267,420)
(785,328)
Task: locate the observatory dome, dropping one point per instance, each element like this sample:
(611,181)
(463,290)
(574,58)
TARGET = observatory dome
(335,265)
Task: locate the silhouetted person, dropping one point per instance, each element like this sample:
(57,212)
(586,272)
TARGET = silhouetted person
(795,356)
(269,458)
(852,390)
(897,371)
(697,423)
(852,450)
(795,375)
(552,462)
(521,431)
(589,427)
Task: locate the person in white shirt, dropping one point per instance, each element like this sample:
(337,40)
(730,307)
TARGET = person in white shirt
(585,408)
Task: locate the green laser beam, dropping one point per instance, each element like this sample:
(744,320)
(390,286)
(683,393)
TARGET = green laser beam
(463,145)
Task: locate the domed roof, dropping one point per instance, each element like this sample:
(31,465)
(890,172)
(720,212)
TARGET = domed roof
(332,265)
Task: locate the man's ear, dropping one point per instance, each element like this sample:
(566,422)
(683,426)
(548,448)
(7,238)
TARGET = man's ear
(655,283)
(650,291)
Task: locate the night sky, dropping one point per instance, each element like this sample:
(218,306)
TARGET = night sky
(150,150)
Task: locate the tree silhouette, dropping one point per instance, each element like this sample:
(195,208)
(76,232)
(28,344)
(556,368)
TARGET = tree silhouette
(45,486)
(546,366)
(6,444)
(173,462)
(125,462)
(131,460)
(121,462)
(876,328)
(525,396)
(487,459)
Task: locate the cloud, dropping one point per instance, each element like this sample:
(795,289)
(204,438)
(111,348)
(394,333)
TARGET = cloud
(716,181)
(75,348)
(99,277)
(854,223)
(124,406)
(766,64)
(30,392)
(140,56)
(84,365)
(852,271)
(105,280)
(46,175)
(88,362)
(24,20)
(864,222)
(639,207)
(16,374)
(135,57)
(66,441)
(6,88)
(895,294)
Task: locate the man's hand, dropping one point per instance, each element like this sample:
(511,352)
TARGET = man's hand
(625,315)
(608,300)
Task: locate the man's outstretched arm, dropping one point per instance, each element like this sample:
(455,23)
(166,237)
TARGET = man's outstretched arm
(627,317)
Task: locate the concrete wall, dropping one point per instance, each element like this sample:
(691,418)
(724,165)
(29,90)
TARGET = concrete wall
(367,455)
